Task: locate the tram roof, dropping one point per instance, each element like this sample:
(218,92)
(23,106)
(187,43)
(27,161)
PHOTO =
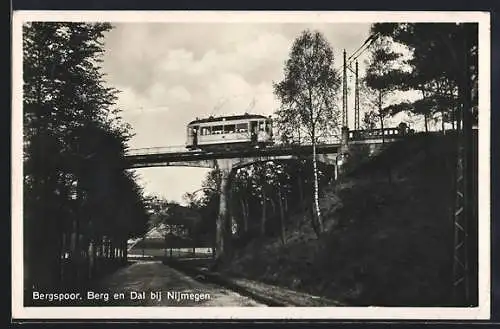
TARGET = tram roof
(228,118)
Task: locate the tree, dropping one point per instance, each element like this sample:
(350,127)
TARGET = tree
(307,95)
(73,151)
(369,120)
(445,67)
(437,65)
(384,75)
(241,189)
(209,204)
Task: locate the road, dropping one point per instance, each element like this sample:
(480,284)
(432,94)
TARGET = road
(143,282)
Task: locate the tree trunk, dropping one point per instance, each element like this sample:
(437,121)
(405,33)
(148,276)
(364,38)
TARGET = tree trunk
(143,245)
(388,164)
(75,252)
(60,255)
(222,218)
(425,123)
(316,191)
(286,204)
(301,193)
(273,205)
(93,257)
(381,116)
(263,217)
(282,217)
(244,215)
(382,128)
(442,122)
(63,256)
(458,118)
(112,250)
(125,252)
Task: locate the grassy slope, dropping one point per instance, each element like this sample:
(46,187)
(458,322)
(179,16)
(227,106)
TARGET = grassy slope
(388,243)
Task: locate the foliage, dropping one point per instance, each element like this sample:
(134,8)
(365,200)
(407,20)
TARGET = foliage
(384,75)
(308,91)
(439,67)
(74,182)
(307,95)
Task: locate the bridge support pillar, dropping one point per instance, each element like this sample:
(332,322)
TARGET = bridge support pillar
(344,152)
(222,231)
(344,141)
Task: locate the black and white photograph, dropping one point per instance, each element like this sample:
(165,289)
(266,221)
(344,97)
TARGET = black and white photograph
(253,165)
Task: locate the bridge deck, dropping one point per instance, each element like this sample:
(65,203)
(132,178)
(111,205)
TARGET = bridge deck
(159,156)
(148,159)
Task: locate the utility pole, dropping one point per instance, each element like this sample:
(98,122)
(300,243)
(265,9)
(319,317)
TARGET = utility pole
(356,100)
(345,122)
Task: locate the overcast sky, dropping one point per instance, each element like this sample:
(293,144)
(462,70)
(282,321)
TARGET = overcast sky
(171,73)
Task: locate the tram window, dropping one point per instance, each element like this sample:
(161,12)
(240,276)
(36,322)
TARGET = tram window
(216,130)
(262,126)
(242,127)
(229,129)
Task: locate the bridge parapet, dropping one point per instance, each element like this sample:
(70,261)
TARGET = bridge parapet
(157,150)
(372,135)
(369,134)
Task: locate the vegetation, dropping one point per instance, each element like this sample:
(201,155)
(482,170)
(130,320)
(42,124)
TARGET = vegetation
(383,77)
(386,244)
(443,66)
(307,94)
(80,205)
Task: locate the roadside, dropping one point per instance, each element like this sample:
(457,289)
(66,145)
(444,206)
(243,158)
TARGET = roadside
(270,295)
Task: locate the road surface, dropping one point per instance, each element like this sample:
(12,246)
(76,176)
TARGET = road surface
(151,283)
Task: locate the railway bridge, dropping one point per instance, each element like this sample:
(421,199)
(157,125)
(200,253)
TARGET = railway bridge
(227,161)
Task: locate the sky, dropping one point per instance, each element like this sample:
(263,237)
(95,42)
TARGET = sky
(172,73)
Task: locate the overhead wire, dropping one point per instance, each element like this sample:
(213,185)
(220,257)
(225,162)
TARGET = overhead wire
(370,38)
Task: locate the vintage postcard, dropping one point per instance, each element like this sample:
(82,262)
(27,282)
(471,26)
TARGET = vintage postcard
(251,165)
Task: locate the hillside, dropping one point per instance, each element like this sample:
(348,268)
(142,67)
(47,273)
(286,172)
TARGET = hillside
(389,241)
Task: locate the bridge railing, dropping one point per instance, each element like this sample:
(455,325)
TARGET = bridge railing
(375,133)
(157,150)
(324,140)
(328,140)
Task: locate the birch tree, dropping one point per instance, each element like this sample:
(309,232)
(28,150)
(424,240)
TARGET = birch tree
(307,94)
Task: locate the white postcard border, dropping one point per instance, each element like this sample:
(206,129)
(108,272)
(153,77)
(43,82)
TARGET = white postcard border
(430,313)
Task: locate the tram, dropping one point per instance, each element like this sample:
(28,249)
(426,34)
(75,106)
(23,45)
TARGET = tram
(229,132)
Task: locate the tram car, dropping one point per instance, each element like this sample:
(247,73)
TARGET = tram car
(229,132)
